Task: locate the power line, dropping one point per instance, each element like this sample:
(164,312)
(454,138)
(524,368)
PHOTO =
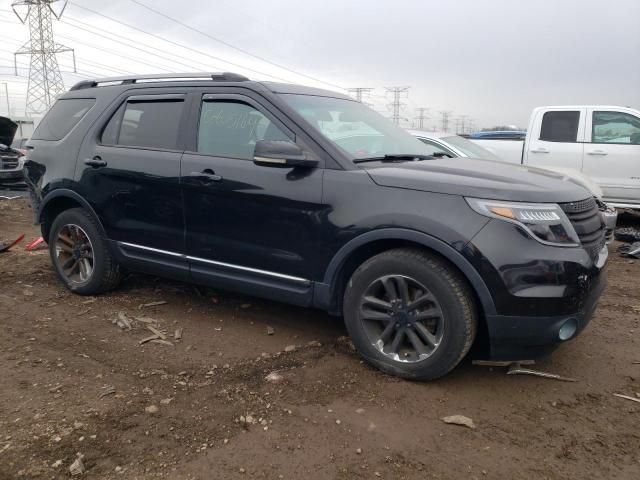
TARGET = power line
(360,92)
(199,52)
(241,50)
(396,105)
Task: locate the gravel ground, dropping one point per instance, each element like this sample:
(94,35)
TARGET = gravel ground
(74,382)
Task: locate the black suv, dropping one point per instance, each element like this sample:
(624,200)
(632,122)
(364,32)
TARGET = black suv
(309,197)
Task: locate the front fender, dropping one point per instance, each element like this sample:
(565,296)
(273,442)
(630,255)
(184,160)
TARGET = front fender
(324,292)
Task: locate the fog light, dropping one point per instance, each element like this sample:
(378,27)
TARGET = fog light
(568,329)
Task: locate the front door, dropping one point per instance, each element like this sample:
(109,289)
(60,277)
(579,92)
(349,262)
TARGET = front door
(247,223)
(129,171)
(612,158)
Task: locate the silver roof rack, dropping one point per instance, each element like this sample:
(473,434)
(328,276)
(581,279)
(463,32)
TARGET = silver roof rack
(162,77)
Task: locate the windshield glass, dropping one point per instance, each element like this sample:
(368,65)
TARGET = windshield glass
(356,129)
(469,148)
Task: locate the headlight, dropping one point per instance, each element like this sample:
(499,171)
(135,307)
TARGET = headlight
(546,222)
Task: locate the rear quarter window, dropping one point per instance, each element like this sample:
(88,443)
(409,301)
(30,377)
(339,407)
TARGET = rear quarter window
(62,117)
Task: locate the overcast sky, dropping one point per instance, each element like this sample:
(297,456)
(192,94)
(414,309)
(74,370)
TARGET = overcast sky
(493,60)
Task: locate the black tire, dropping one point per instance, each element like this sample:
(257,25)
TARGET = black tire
(452,313)
(105,274)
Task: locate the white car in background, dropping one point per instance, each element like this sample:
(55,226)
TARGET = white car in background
(447,145)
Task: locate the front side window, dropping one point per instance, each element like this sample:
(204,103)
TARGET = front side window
(147,124)
(230,128)
(615,127)
(353,127)
(62,117)
(560,127)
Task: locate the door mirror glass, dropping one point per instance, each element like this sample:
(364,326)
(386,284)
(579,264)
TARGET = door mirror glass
(281,153)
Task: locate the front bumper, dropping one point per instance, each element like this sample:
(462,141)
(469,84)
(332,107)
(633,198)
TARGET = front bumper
(610,220)
(543,295)
(13,176)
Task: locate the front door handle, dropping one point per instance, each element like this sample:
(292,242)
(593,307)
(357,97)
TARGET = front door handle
(597,152)
(540,150)
(95,162)
(206,176)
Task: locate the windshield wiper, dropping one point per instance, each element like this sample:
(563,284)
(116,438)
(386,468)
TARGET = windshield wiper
(409,157)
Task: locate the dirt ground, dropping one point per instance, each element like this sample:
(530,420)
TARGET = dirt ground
(73,382)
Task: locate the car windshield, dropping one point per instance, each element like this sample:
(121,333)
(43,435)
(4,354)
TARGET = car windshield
(469,148)
(355,128)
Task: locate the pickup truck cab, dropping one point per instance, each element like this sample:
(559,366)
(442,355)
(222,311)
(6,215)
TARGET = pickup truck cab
(603,142)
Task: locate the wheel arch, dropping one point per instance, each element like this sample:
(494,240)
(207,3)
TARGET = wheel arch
(57,202)
(363,247)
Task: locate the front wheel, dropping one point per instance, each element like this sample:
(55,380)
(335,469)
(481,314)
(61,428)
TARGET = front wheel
(410,314)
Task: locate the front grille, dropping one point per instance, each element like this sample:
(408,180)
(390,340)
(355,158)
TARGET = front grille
(587,221)
(8,162)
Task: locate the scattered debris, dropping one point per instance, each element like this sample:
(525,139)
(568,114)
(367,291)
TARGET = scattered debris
(290,348)
(162,342)
(152,304)
(314,343)
(156,332)
(108,390)
(57,464)
(145,319)
(177,335)
(459,420)
(4,246)
(630,251)
(360,411)
(83,312)
(91,300)
(345,341)
(166,401)
(37,244)
(274,377)
(270,330)
(244,306)
(122,321)
(516,369)
(358,451)
(147,339)
(77,467)
(152,409)
(627,397)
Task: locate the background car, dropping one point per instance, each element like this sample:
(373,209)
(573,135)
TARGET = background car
(11,159)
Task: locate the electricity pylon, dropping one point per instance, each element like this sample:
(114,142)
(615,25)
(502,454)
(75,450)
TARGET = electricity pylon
(45,79)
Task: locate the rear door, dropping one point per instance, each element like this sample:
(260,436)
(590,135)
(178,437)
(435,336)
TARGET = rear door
(558,137)
(612,154)
(129,171)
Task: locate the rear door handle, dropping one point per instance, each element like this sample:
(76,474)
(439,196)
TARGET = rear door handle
(540,150)
(95,162)
(597,152)
(206,176)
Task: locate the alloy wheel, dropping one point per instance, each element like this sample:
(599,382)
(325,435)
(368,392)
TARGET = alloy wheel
(402,318)
(74,254)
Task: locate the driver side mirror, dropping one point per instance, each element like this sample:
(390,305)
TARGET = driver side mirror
(281,153)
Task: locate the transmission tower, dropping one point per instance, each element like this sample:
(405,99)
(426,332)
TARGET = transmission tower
(360,92)
(422,116)
(460,126)
(445,120)
(396,105)
(45,80)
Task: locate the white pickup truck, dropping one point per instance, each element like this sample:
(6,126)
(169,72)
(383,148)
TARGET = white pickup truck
(602,142)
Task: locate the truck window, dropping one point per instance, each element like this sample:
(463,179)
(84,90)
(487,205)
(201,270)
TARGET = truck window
(560,126)
(62,117)
(615,127)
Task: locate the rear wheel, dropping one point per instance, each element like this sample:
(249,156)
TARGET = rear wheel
(80,254)
(410,314)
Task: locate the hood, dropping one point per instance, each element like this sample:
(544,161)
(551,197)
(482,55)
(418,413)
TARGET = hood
(578,177)
(8,130)
(479,178)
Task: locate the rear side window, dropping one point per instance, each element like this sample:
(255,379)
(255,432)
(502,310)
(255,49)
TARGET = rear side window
(560,126)
(62,117)
(149,124)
